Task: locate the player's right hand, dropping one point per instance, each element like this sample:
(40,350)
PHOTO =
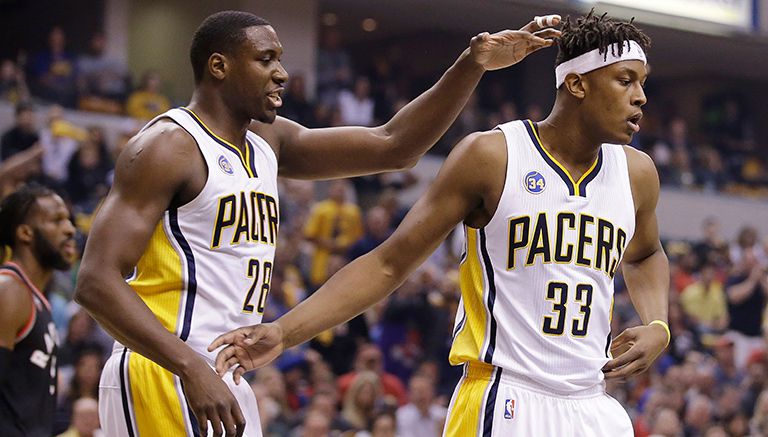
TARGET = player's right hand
(248,348)
(211,401)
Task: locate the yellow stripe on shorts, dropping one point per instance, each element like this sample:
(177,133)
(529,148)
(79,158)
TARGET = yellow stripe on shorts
(468,407)
(156,404)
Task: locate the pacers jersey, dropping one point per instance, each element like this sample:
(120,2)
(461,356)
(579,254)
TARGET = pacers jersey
(537,280)
(208,265)
(28,393)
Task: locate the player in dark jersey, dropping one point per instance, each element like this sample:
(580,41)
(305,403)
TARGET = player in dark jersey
(35,225)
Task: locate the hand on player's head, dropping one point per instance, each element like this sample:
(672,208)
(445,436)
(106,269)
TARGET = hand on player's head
(508,47)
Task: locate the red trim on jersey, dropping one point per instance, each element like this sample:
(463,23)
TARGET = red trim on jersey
(23,332)
(31,285)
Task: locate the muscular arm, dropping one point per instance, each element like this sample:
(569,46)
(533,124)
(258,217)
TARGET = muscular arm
(466,189)
(646,272)
(15,308)
(149,173)
(352,151)
(645,265)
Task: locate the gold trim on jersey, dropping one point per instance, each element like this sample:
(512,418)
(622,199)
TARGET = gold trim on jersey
(159,281)
(464,417)
(576,184)
(468,343)
(245,160)
(156,404)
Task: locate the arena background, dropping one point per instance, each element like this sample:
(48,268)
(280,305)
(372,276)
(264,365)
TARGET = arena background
(705,125)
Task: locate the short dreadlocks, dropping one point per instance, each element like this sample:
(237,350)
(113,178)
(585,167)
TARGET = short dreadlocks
(591,32)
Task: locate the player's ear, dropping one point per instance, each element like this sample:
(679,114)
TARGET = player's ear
(218,65)
(25,233)
(575,85)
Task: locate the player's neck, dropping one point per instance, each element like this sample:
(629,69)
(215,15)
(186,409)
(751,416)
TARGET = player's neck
(564,136)
(31,267)
(219,117)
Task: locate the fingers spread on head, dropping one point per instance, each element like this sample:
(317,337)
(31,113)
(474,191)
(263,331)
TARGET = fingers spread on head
(548,33)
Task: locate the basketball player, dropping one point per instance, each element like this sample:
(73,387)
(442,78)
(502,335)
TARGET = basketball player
(194,209)
(34,223)
(550,209)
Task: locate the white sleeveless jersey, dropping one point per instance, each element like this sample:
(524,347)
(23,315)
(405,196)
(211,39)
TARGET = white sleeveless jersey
(537,281)
(208,266)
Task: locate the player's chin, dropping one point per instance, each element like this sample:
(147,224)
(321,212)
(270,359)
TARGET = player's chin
(268,116)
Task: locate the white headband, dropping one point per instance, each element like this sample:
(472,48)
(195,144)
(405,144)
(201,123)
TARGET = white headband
(593,60)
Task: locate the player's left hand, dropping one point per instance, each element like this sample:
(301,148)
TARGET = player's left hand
(247,348)
(634,351)
(508,47)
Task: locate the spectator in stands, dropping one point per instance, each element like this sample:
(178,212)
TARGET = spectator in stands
(85,419)
(356,105)
(88,170)
(22,135)
(710,172)
(17,169)
(84,382)
(704,302)
(334,67)
(333,226)
(60,140)
(377,229)
(13,83)
(725,370)
(296,104)
(360,400)
(147,101)
(53,72)
(698,416)
(747,241)
(746,289)
(712,248)
(103,81)
(384,425)
(421,416)
(665,423)
(315,425)
(370,359)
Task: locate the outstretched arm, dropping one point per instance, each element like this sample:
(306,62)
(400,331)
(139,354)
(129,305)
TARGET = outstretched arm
(646,273)
(352,151)
(460,188)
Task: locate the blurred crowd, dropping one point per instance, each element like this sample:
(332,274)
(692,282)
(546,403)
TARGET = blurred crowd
(385,372)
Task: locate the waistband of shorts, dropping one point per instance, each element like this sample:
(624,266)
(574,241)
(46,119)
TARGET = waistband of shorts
(486,371)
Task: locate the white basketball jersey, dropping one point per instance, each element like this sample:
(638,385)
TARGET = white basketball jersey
(208,265)
(537,281)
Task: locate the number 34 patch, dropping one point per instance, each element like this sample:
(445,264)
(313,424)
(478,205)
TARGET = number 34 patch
(534,182)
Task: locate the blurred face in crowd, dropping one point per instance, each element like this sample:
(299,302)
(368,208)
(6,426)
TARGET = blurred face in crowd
(316,425)
(667,423)
(85,416)
(421,392)
(88,369)
(25,120)
(57,40)
(613,96)
(383,426)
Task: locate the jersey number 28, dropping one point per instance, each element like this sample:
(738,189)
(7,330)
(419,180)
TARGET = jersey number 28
(254,266)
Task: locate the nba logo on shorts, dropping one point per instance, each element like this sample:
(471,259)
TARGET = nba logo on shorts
(225,166)
(509,409)
(534,182)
